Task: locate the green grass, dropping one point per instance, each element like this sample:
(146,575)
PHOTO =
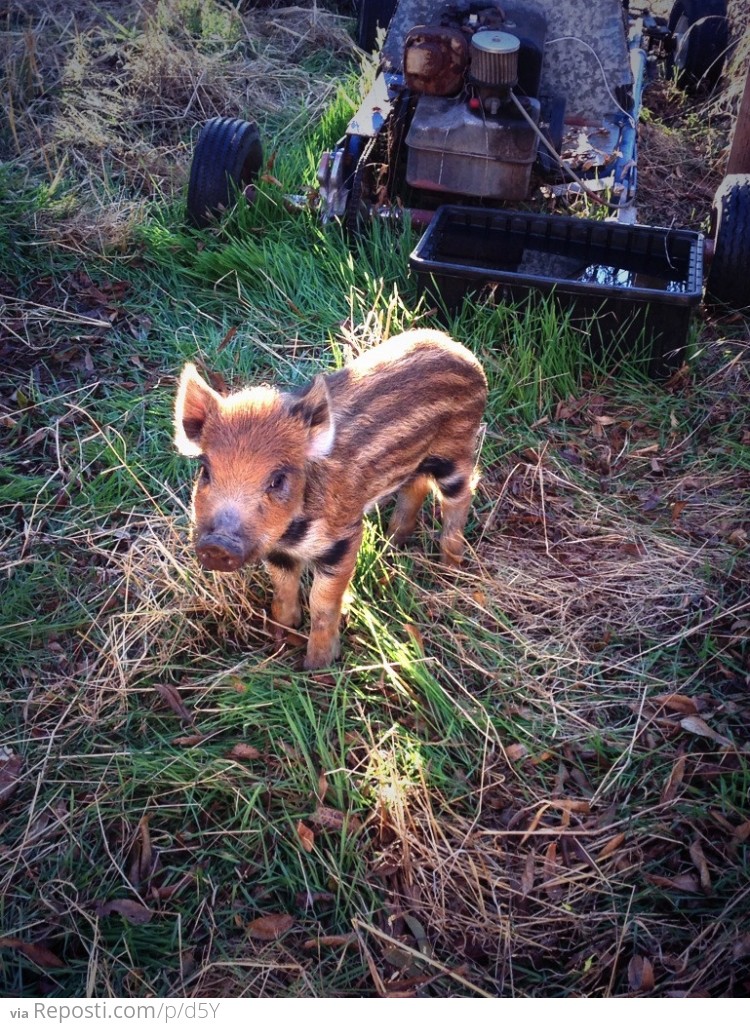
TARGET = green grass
(503,793)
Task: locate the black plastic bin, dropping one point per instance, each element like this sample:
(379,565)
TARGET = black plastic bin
(634,285)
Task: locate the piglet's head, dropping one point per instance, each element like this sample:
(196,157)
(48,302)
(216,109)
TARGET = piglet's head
(255,448)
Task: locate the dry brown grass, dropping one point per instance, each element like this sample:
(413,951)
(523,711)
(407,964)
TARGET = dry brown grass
(113,94)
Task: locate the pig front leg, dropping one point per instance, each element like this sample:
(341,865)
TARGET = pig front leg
(333,573)
(285,575)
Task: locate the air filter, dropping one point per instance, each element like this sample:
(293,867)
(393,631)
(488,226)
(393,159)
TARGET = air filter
(494,59)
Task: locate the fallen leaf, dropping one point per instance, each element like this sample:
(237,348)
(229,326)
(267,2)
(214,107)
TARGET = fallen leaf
(397,957)
(39,955)
(307,900)
(170,694)
(226,339)
(573,847)
(678,508)
(188,741)
(651,502)
(698,727)
(685,883)
(166,892)
(742,832)
(581,780)
(551,867)
(141,858)
(640,974)
(527,878)
(417,929)
(698,858)
(270,927)
(546,755)
(322,786)
(569,407)
(408,987)
(328,817)
(675,780)
(581,806)
(614,844)
(571,456)
(534,823)
(306,836)
(131,910)
(244,752)
(416,636)
(515,751)
(330,941)
(721,821)
(677,702)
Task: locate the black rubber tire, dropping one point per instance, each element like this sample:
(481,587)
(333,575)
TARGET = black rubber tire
(370,15)
(729,275)
(701,28)
(227,157)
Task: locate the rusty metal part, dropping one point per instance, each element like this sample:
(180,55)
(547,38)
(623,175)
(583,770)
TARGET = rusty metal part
(435,60)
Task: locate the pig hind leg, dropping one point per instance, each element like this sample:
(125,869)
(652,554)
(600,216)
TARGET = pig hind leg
(409,501)
(455,490)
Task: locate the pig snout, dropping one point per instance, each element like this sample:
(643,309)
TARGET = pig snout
(223,545)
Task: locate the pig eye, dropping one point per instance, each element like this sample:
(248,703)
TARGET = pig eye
(205,473)
(277,484)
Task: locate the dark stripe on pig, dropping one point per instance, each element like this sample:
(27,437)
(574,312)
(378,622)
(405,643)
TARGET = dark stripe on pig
(437,466)
(409,380)
(281,560)
(295,532)
(384,424)
(452,490)
(331,558)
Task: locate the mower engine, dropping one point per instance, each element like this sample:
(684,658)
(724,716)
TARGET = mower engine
(476,76)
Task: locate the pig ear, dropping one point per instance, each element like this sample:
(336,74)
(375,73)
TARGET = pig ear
(313,407)
(195,400)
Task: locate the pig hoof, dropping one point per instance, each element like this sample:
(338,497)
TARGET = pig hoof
(401,538)
(284,638)
(314,662)
(321,659)
(451,559)
(283,621)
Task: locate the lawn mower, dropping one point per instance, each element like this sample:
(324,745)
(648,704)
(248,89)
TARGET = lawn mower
(476,106)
